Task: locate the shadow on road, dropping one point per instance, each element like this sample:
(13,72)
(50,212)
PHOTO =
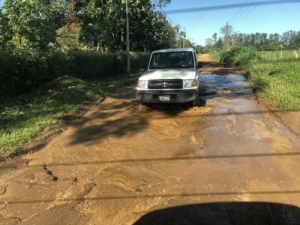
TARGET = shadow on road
(224,213)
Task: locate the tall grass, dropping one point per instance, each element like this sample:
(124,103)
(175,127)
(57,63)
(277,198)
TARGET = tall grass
(278,55)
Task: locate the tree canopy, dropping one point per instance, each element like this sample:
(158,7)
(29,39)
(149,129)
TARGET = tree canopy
(289,40)
(84,24)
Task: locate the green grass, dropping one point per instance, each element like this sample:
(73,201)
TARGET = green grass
(278,55)
(276,75)
(215,56)
(24,117)
(278,83)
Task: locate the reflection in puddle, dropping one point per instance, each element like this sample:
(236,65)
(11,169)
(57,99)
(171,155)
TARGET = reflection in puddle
(224,86)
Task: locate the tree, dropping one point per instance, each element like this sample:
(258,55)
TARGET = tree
(296,40)
(32,22)
(291,39)
(209,42)
(5,30)
(103,26)
(71,10)
(219,44)
(273,46)
(227,31)
(182,36)
(208,45)
(177,29)
(163,3)
(287,38)
(215,37)
(68,37)
(199,48)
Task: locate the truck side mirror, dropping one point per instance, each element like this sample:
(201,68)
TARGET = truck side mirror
(199,65)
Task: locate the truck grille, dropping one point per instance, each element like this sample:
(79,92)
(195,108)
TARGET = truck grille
(165,84)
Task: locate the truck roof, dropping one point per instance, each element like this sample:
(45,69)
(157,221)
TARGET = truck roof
(175,50)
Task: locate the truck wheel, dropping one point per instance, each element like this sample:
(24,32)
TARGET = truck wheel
(202,102)
(196,102)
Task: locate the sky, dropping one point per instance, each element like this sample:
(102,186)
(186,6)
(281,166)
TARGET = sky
(200,25)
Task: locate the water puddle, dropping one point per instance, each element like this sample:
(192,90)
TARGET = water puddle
(224,85)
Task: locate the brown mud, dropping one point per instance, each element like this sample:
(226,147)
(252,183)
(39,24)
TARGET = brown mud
(229,162)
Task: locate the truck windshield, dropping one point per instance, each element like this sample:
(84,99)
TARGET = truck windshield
(168,60)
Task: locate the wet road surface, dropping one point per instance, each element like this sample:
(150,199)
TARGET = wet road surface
(123,163)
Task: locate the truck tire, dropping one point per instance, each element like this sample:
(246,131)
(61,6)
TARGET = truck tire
(196,102)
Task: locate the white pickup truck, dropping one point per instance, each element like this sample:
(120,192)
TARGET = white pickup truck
(171,77)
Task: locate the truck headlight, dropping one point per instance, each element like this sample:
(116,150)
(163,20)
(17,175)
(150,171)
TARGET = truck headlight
(142,84)
(189,83)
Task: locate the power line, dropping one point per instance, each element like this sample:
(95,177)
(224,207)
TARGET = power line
(237,11)
(170,18)
(248,12)
(221,7)
(245,9)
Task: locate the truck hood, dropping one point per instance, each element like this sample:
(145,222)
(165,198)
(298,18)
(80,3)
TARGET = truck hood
(168,74)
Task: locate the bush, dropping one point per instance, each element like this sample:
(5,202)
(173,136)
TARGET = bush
(59,63)
(238,56)
(95,65)
(21,71)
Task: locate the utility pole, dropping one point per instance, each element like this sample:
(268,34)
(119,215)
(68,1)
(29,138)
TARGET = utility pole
(127,39)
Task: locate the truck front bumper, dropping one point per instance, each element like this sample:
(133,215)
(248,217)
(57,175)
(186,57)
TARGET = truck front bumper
(167,96)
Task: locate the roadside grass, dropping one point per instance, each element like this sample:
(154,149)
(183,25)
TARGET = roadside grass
(24,117)
(278,55)
(276,75)
(215,56)
(277,81)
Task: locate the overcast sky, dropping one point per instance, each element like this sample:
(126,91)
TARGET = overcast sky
(200,25)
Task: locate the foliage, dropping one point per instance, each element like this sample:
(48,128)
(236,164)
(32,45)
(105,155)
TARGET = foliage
(5,30)
(238,56)
(24,70)
(227,31)
(278,82)
(21,71)
(104,28)
(95,65)
(31,22)
(68,38)
(215,55)
(199,49)
(24,117)
(84,24)
(289,40)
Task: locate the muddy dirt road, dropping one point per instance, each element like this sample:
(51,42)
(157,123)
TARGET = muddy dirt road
(225,163)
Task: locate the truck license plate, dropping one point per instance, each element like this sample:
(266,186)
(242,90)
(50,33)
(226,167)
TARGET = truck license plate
(164,98)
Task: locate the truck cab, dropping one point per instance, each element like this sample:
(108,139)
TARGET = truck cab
(171,77)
